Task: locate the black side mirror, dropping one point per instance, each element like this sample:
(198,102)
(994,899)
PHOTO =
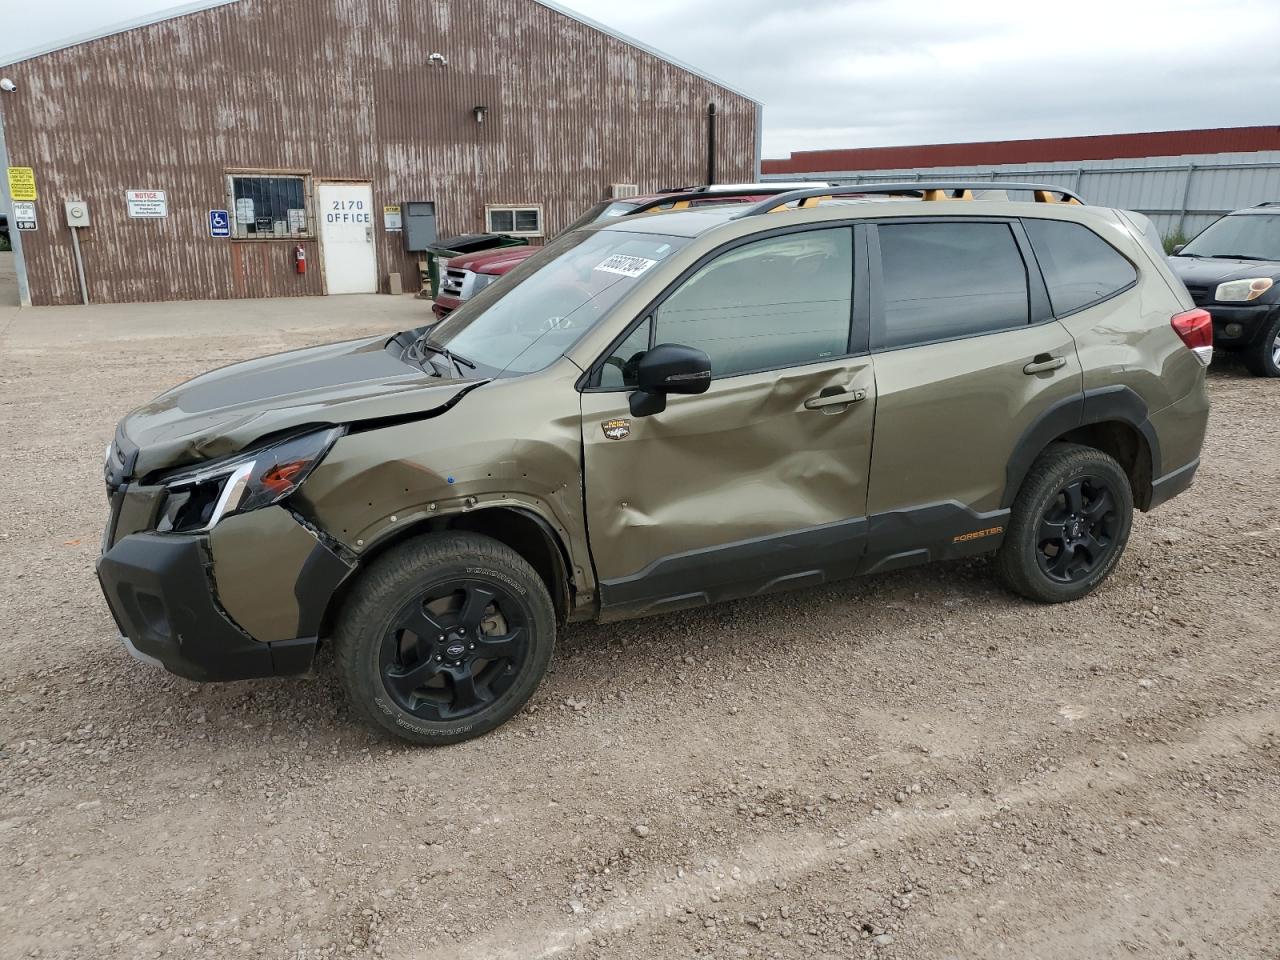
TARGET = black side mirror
(668,368)
(1178,249)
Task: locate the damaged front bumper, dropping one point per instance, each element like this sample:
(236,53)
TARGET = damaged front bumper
(162,589)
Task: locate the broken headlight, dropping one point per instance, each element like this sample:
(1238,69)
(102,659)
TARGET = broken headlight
(198,498)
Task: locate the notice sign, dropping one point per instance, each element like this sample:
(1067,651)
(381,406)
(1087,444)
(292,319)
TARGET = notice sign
(24,214)
(391,221)
(22,184)
(146,204)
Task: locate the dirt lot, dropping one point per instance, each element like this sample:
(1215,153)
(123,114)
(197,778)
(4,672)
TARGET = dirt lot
(911,766)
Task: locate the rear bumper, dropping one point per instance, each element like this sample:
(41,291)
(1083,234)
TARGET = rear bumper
(1181,427)
(1171,484)
(159,591)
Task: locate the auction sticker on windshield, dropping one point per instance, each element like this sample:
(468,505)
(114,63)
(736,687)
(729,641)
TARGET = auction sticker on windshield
(625,266)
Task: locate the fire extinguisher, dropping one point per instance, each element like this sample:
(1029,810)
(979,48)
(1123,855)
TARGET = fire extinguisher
(300,258)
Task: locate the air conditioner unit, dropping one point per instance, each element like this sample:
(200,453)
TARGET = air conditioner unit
(618,191)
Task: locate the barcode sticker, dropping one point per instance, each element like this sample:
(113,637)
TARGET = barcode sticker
(625,266)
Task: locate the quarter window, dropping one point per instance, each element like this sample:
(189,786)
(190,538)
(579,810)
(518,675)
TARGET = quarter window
(945,280)
(270,206)
(1079,267)
(772,303)
(619,369)
(518,221)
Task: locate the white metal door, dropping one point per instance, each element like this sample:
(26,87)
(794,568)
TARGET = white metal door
(346,237)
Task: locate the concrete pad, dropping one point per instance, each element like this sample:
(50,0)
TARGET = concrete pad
(317,318)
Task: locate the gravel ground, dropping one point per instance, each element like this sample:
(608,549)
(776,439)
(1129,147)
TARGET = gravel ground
(914,765)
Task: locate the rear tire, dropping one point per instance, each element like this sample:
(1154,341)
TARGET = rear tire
(444,638)
(1263,357)
(1069,525)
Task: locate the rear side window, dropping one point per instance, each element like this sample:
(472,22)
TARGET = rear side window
(945,280)
(1079,267)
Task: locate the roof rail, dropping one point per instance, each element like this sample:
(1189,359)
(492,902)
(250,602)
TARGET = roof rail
(702,195)
(1268,203)
(923,189)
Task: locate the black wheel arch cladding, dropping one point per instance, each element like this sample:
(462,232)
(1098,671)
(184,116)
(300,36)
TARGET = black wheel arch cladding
(1113,404)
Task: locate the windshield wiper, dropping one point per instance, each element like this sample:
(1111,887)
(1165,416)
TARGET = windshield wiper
(456,361)
(1233,256)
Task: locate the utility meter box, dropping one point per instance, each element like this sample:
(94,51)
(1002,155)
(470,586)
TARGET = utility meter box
(77,213)
(419,224)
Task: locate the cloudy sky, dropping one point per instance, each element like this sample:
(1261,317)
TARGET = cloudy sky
(836,73)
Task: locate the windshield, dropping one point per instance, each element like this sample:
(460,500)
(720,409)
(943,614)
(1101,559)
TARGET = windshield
(1251,236)
(529,317)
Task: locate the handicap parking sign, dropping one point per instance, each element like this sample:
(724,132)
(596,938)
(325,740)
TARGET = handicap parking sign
(219,223)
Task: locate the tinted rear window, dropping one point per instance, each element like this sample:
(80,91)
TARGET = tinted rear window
(1079,267)
(946,280)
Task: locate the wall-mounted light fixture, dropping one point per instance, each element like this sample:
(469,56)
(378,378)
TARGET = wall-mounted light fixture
(437,60)
(479,113)
(7,85)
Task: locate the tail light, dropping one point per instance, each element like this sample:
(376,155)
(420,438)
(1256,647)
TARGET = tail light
(1195,328)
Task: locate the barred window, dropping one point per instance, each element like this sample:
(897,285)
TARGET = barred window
(270,206)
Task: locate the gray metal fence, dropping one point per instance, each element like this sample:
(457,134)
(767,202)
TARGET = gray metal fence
(1182,195)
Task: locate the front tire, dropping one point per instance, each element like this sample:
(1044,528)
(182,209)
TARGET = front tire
(444,638)
(1069,525)
(1263,357)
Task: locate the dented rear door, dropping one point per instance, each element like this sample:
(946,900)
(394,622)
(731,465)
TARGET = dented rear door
(761,482)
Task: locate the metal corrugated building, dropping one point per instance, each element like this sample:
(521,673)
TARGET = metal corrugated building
(287,113)
(1182,179)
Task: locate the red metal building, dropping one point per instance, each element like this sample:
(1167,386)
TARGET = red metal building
(1169,143)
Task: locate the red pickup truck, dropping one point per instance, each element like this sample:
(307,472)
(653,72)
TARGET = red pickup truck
(472,272)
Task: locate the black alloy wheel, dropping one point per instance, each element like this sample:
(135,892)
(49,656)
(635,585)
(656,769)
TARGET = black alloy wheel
(1068,525)
(1078,530)
(444,637)
(455,649)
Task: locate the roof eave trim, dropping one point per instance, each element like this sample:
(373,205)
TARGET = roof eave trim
(640,45)
(159,16)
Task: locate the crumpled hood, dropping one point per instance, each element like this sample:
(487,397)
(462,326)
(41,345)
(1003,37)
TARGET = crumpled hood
(493,261)
(1208,273)
(222,412)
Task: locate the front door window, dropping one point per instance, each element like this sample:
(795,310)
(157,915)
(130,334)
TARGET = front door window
(772,303)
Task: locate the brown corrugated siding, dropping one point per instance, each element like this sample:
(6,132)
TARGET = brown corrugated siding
(1171,143)
(341,88)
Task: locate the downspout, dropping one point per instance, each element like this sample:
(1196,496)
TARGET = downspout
(15,235)
(711,143)
(759,141)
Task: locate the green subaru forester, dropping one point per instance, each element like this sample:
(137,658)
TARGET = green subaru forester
(662,413)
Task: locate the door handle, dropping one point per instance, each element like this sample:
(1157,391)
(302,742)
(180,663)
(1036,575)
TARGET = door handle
(1043,363)
(835,399)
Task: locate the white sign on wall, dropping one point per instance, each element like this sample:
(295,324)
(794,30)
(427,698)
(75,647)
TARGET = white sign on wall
(24,214)
(146,204)
(244,210)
